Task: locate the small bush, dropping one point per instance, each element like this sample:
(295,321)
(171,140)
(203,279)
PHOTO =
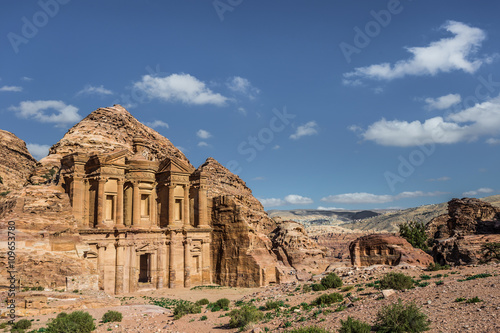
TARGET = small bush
(459,299)
(75,322)
(220,304)
(347,288)
(397,281)
(271,305)
(308,329)
(317,287)
(474,300)
(414,233)
(400,317)
(425,277)
(353,326)
(22,324)
(202,302)
(306,288)
(331,281)
(437,267)
(203,318)
(112,316)
(242,317)
(185,308)
(328,299)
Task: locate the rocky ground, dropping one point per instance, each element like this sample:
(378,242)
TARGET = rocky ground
(361,300)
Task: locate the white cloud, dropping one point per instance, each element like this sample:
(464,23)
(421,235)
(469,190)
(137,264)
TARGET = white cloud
(179,88)
(91,90)
(36,110)
(242,86)
(11,88)
(443,102)
(466,125)
(441,179)
(202,134)
(329,208)
(203,144)
(309,128)
(156,124)
(276,147)
(363,197)
(493,141)
(481,190)
(258,178)
(242,111)
(291,199)
(445,55)
(295,199)
(26,78)
(38,151)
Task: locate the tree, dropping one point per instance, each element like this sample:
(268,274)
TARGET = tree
(414,233)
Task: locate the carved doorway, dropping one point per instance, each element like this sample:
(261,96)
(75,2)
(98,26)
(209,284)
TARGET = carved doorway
(145,268)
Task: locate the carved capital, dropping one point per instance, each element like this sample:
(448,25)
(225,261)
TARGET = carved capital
(102,244)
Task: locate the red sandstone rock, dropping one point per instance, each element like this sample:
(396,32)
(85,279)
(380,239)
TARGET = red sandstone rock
(386,249)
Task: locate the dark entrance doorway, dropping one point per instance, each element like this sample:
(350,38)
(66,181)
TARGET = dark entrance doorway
(145,268)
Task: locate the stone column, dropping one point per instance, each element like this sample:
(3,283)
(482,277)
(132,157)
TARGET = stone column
(100,203)
(152,210)
(202,207)
(187,263)
(101,247)
(136,205)
(171,267)
(159,265)
(119,204)
(206,274)
(86,210)
(186,206)
(171,204)
(77,195)
(133,276)
(120,261)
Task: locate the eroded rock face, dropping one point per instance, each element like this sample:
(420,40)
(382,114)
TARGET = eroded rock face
(16,163)
(386,249)
(293,246)
(241,251)
(461,234)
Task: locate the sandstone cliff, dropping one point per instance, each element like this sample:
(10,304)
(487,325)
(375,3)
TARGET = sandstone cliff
(241,251)
(16,163)
(461,234)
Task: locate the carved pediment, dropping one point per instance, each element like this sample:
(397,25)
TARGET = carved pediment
(146,248)
(175,165)
(114,157)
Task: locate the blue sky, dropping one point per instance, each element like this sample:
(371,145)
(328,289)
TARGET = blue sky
(366,104)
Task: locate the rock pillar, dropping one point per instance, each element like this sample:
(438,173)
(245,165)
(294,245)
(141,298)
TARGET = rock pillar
(187,263)
(136,205)
(171,267)
(186,206)
(101,248)
(171,205)
(202,207)
(119,204)
(100,203)
(120,261)
(206,274)
(77,194)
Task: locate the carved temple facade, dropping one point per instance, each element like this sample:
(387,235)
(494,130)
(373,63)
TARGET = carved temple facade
(145,222)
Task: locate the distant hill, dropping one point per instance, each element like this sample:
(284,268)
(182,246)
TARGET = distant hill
(375,220)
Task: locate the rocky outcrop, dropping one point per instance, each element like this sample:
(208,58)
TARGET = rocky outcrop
(103,131)
(293,246)
(386,249)
(241,251)
(460,235)
(16,163)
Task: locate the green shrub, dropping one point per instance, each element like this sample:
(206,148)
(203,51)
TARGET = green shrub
(328,299)
(306,288)
(400,317)
(203,318)
(459,299)
(425,277)
(112,316)
(75,322)
(242,317)
(347,288)
(185,308)
(331,281)
(202,302)
(474,300)
(220,304)
(317,287)
(414,233)
(308,329)
(437,267)
(477,276)
(491,251)
(353,326)
(22,324)
(397,281)
(271,305)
